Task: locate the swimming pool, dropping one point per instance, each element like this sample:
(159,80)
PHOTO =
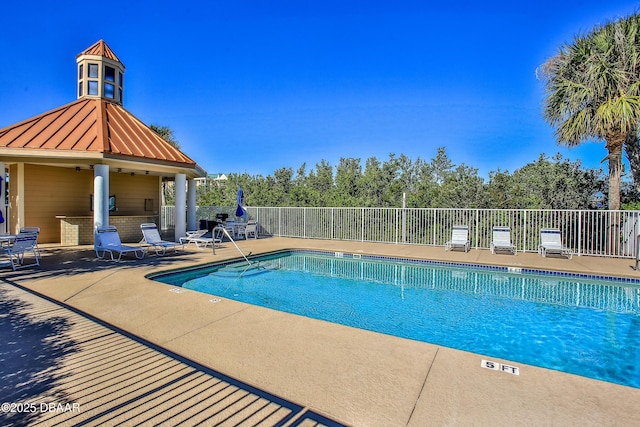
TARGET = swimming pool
(585,325)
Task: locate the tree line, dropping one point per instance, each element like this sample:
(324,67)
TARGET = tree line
(546,183)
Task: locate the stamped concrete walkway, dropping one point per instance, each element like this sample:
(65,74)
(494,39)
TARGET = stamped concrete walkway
(60,368)
(180,348)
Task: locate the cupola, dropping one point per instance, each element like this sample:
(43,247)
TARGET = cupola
(100,74)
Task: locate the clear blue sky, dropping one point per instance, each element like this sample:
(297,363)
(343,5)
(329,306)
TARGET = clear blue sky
(251,86)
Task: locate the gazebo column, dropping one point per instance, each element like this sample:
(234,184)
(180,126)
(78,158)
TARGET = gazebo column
(19,198)
(3,210)
(181,206)
(100,196)
(191,204)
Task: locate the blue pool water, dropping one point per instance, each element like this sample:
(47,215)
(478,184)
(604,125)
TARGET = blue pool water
(572,324)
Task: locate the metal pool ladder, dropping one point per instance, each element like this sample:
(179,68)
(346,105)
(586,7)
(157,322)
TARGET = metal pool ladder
(224,230)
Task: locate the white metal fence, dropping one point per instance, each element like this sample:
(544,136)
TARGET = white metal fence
(586,232)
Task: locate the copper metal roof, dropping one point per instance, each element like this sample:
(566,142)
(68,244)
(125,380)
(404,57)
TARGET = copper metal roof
(100,48)
(91,126)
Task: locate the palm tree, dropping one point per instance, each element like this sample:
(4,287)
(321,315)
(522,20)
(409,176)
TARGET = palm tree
(593,91)
(632,147)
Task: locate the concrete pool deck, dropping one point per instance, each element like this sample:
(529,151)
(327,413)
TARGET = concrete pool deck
(352,376)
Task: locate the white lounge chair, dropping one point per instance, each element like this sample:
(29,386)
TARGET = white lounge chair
(17,250)
(551,243)
(459,238)
(192,236)
(151,237)
(107,239)
(501,240)
(201,242)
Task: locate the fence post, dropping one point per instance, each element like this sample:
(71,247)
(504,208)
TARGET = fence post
(435,224)
(404,218)
(579,233)
(477,228)
(332,224)
(396,227)
(524,231)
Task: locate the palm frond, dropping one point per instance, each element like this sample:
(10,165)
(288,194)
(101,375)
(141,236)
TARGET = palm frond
(593,83)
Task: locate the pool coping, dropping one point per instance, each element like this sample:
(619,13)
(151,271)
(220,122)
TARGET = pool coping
(500,268)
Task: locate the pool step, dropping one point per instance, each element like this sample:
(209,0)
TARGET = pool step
(243,270)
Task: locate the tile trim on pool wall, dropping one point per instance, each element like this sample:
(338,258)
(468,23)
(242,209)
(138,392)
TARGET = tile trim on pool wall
(358,256)
(523,270)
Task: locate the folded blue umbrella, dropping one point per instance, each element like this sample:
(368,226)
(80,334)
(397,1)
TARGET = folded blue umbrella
(240,200)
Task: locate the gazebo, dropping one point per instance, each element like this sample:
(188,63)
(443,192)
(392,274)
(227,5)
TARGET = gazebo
(92,163)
